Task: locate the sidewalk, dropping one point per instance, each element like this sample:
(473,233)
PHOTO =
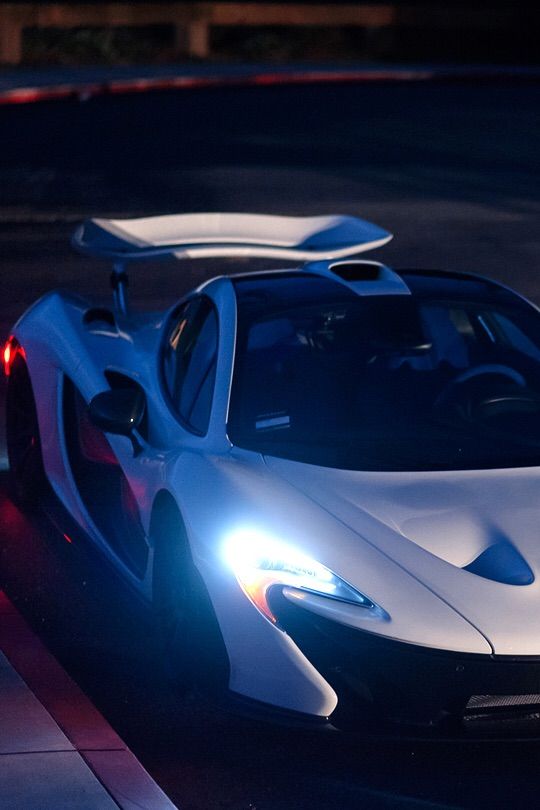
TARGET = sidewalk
(26,84)
(56,750)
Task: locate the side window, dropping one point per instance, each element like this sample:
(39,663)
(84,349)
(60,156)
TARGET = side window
(516,337)
(189,363)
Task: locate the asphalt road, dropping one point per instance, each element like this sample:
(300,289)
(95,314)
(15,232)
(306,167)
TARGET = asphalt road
(453,171)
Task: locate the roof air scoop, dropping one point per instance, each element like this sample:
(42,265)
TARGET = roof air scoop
(364,277)
(358,271)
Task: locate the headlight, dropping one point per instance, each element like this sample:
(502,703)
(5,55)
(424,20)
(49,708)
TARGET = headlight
(260,562)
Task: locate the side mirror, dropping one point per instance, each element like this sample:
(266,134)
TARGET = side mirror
(120,411)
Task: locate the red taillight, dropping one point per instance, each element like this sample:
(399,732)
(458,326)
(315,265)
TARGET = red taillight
(7,358)
(11,350)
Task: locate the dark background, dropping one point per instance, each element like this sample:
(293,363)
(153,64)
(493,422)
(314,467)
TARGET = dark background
(499,32)
(453,170)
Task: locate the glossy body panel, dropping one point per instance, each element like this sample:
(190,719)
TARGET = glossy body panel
(405,540)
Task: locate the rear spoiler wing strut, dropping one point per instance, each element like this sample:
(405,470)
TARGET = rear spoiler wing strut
(213,235)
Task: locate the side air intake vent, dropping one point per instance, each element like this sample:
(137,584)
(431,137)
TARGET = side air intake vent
(99,317)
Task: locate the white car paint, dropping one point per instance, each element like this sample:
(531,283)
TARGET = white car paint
(402,539)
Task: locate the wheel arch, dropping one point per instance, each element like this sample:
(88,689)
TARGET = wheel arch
(166,526)
(167,522)
(28,480)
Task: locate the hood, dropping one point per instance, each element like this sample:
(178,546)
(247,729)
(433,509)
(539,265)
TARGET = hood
(472,537)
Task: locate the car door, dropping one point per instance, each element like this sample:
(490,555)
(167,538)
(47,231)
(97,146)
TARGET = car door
(188,366)
(103,487)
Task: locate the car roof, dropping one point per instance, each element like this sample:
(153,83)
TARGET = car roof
(288,287)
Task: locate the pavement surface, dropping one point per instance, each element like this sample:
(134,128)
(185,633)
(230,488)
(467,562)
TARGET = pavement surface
(452,169)
(56,750)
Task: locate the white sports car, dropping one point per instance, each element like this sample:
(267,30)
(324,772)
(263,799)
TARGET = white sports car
(325,478)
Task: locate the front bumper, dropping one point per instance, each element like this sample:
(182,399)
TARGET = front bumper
(380,681)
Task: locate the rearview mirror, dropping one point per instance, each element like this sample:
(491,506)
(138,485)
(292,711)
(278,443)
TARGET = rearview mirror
(120,410)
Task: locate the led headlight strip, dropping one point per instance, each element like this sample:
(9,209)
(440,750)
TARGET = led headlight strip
(260,561)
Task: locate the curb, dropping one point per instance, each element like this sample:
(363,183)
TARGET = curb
(105,753)
(84,91)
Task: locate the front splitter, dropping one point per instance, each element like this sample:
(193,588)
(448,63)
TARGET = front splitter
(400,688)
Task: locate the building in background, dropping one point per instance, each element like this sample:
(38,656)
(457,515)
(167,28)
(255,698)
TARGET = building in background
(102,31)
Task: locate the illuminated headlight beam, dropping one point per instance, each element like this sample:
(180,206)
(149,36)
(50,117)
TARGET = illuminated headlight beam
(260,562)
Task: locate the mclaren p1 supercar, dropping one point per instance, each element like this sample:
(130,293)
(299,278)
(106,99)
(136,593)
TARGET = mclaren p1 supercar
(324,479)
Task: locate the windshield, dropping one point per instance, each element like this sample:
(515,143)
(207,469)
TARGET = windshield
(432,381)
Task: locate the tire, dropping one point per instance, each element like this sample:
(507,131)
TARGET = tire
(190,636)
(27,476)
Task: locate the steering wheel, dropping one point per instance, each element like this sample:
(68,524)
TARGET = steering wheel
(472,404)
(500,404)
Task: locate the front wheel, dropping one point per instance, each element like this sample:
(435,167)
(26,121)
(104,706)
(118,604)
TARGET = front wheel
(26,471)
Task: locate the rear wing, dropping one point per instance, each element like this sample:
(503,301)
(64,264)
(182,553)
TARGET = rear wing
(193,236)
(198,236)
